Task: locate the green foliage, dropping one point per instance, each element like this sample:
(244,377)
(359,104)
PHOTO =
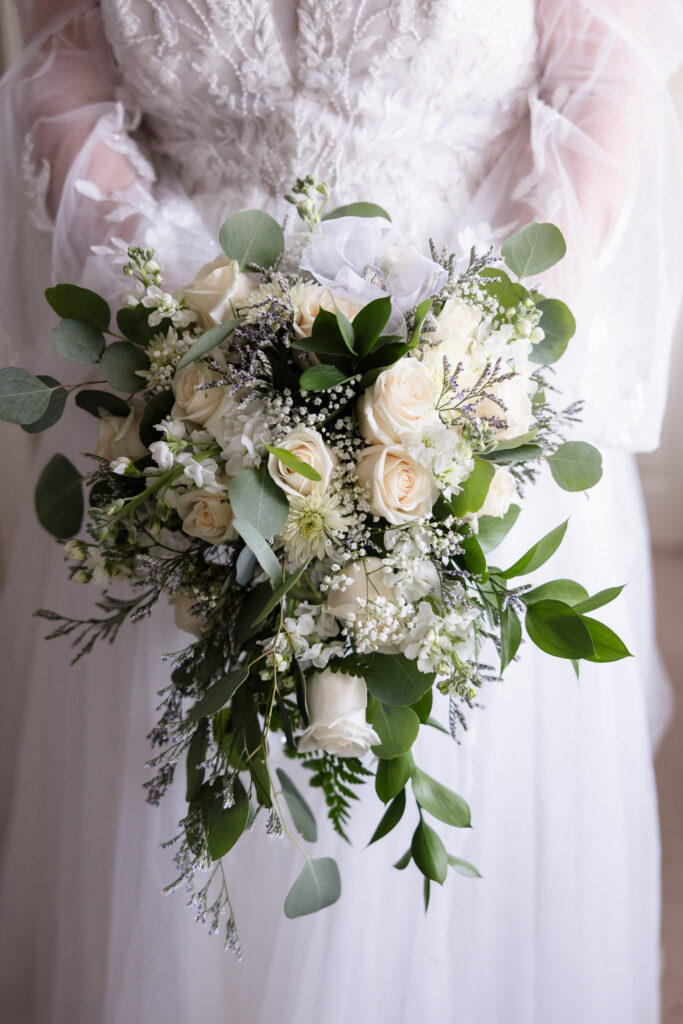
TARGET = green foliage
(429,853)
(335,776)
(157,409)
(423,706)
(576,466)
(538,553)
(598,600)
(224,825)
(510,456)
(494,529)
(252,237)
(357,210)
(196,752)
(607,645)
(369,322)
(558,630)
(463,867)
(260,548)
(439,800)
(558,590)
(120,363)
(473,557)
(133,323)
(318,886)
(257,499)
(498,284)
(279,593)
(394,679)
(74,303)
(390,818)
(559,325)
(290,460)
(77,341)
(510,636)
(207,341)
(392,775)
(93,401)
(302,815)
(218,695)
(474,489)
(533,249)
(55,406)
(24,398)
(397,728)
(58,498)
(321,378)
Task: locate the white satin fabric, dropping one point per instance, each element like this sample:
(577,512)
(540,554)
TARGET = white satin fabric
(152,121)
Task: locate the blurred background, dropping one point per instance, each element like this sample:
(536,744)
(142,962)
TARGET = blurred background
(662,477)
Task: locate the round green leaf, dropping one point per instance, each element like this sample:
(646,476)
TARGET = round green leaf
(559,326)
(397,728)
(55,406)
(429,853)
(77,341)
(252,237)
(357,210)
(24,398)
(93,401)
(318,886)
(120,363)
(133,323)
(392,776)
(533,249)
(257,499)
(74,303)
(576,466)
(440,801)
(557,629)
(395,680)
(224,825)
(58,498)
(302,815)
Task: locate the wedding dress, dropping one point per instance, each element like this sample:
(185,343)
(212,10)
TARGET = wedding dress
(151,120)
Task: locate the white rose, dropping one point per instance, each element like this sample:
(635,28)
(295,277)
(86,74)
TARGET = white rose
(206,515)
(119,436)
(501,492)
(309,299)
(191,404)
(309,447)
(457,322)
(183,617)
(336,704)
(367,580)
(400,405)
(517,413)
(400,489)
(218,291)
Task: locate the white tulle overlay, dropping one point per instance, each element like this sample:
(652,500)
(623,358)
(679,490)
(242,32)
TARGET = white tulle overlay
(152,121)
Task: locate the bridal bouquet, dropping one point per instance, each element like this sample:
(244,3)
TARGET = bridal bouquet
(311,450)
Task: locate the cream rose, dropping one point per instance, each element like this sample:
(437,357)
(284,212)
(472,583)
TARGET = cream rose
(309,299)
(501,492)
(193,404)
(517,412)
(336,704)
(119,436)
(183,617)
(206,515)
(309,447)
(367,580)
(400,489)
(218,291)
(400,405)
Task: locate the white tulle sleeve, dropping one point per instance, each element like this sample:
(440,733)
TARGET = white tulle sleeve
(75,183)
(600,156)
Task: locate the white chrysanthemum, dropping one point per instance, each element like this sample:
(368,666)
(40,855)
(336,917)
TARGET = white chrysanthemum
(315,521)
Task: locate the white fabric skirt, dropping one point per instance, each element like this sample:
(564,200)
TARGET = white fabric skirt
(562,927)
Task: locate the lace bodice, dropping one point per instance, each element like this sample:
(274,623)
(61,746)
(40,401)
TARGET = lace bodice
(406,103)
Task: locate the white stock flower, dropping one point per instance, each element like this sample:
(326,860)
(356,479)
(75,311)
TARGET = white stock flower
(446,455)
(119,436)
(165,306)
(309,447)
(399,487)
(400,406)
(162,454)
(218,291)
(206,515)
(200,473)
(192,400)
(502,490)
(337,703)
(120,465)
(436,642)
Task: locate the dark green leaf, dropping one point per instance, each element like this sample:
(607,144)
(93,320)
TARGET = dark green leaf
(321,378)
(290,460)
(261,548)
(133,323)
(321,345)
(429,853)
(498,284)
(608,646)
(559,326)
(59,498)
(492,530)
(558,590)
(390,818)
(252,237)
(302,815)
(510,636)
(423,706)
(508,456)
(392,776)
(279,593)
(558,630)
(395,680)
(157,409)
(224,825)
(397,728)
(218,695)
(369,322)
(196,752)
(473,557)
(55,406)
(538,553)
(257,499)
(426,889)
(252,602)
(474,489)
(403,862)
(120,363)
(576,466)
(439,800)
(357,210)
(420,314)
(74,303)
(24,398)
(77,341)
(260,776)
(533,249)
(318,886)
(207,341)
(598,600)
(346,330)
(92,401)
(463,867)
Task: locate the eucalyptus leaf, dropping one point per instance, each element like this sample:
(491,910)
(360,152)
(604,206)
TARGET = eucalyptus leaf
(515,442)
(558,630)
(439,800)
(257,499)
(206,342)
(245,566)
(492,530)
(261,549)
(394,679)
(120,363)
(538,553)
(218,695)
(533,249)
(559,326)
(93,401)
(252,237)
(423,706)
(225,825)
(74,303)
(392,776)
(321,378)
(24,398)
(397,728)
(576,466)
(55,406)
(598,600)
(302,815)
(133,323)
(318,886)
(429,853)
(58,498)
(290,460)
(79,342)
(474,489)
(357,210)
(509,456)
(498,284)
(463,867)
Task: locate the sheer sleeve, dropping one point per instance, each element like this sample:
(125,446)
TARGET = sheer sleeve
(75,185)
(600,156)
